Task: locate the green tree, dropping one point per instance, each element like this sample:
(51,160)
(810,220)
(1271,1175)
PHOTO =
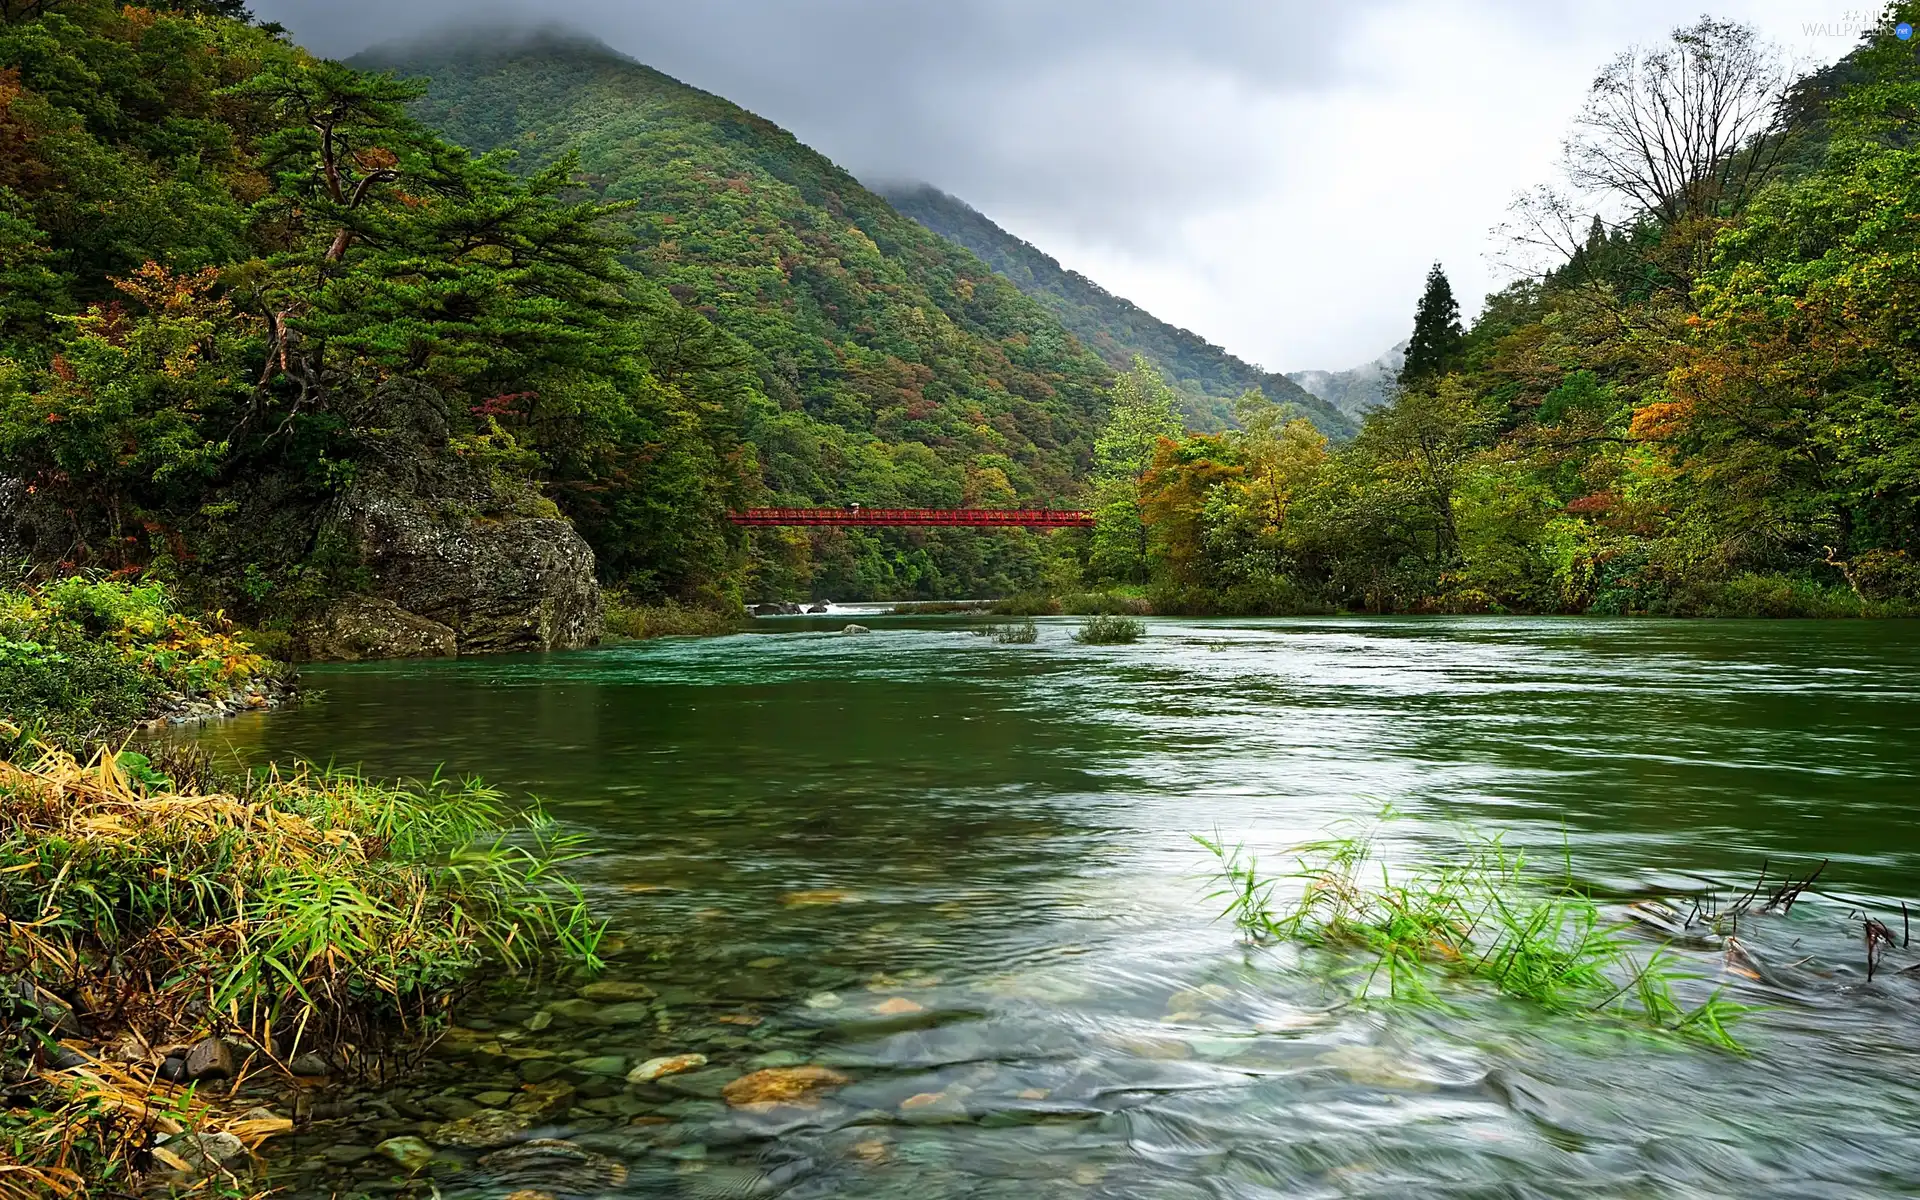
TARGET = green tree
(1437,334)
(1143,412)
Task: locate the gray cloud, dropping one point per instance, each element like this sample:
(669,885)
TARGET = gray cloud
(1275,174)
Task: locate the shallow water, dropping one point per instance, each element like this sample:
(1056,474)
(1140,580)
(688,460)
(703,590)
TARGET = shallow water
(961,875)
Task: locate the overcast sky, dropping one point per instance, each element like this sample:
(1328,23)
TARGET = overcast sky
(1275,175)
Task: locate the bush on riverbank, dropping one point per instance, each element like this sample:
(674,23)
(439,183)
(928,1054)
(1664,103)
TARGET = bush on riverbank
(84,660)
(1074,604)
(302,912)
(668,619)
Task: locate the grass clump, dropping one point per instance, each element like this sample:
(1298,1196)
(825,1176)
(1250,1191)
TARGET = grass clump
(83,660)
(1026,633)
(299,910)
(1109,631)
(669,618)
(1482,916)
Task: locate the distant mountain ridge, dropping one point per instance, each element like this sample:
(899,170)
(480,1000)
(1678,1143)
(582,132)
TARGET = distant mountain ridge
(1116,329)
(1356,391)
(855,355)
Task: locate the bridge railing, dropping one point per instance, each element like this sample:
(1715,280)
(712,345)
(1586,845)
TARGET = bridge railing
(971,518)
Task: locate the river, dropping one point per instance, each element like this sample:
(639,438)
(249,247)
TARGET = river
(961,875)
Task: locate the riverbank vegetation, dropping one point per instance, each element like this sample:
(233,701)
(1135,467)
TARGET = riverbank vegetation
(83,661)
(164,933)
(1699,401)
(668,618)
(1480,916)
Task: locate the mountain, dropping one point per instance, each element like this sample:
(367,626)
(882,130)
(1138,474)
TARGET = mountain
(1116,329)
(878,362)
(1359,389)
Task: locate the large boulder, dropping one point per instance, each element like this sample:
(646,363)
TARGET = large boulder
(501,582)
(453,536)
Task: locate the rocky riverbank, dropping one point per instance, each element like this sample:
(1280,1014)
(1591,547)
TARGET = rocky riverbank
(268,691)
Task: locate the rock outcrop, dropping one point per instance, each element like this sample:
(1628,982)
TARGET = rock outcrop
(463,554)
(364,627)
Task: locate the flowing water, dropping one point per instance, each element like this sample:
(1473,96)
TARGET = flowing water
(960,875)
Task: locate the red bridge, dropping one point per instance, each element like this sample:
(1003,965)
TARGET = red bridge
(972,518)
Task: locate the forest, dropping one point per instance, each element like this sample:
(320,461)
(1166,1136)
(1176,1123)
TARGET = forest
(241,282)
(535,280)
(1701,400)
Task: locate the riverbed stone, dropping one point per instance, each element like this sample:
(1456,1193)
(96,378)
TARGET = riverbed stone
(484,1130)
(346,1154)
(492,1099)
(554,1165)
(209,1060)
(608,991)
(310,1064)
(209,1151)
(547,1099)
(705,1085)
(783,1085)
(410,1154)
(600,1064)
(933,1108)
(539,1021)
(539,1070)
(577,1010)
(634,1012)
(777,1058)
(660,1068)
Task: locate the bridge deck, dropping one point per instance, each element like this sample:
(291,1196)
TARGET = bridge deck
(972,518)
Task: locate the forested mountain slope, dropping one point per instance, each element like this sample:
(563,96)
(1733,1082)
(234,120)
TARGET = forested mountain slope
(1206,376)
(863,358)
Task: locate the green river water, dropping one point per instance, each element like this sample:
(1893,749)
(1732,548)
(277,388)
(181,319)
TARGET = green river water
(961,875)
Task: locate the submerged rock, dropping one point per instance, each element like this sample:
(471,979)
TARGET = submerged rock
(607,991)
(660,1068)
(783,1085)
(633,1012)
(553,1164)
(856,629)
(408,1153)
(484,1130)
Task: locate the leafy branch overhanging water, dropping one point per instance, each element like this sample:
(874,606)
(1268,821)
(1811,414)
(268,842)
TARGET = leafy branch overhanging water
(1482,916)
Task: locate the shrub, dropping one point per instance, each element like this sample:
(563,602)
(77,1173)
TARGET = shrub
(1024,634)
(1109,631)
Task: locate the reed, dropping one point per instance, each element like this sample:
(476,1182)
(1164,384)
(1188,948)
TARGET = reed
(301,909)
(1480,916)
(1026,633)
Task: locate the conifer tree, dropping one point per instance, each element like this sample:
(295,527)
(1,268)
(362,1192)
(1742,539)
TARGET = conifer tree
(1437,334)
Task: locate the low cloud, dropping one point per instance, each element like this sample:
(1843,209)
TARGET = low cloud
(1274,175)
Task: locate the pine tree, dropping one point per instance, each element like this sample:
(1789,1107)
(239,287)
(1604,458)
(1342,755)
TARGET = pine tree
(1437,334)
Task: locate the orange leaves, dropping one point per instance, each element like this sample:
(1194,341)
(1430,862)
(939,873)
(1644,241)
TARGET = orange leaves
(1661,420)
(161,290)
